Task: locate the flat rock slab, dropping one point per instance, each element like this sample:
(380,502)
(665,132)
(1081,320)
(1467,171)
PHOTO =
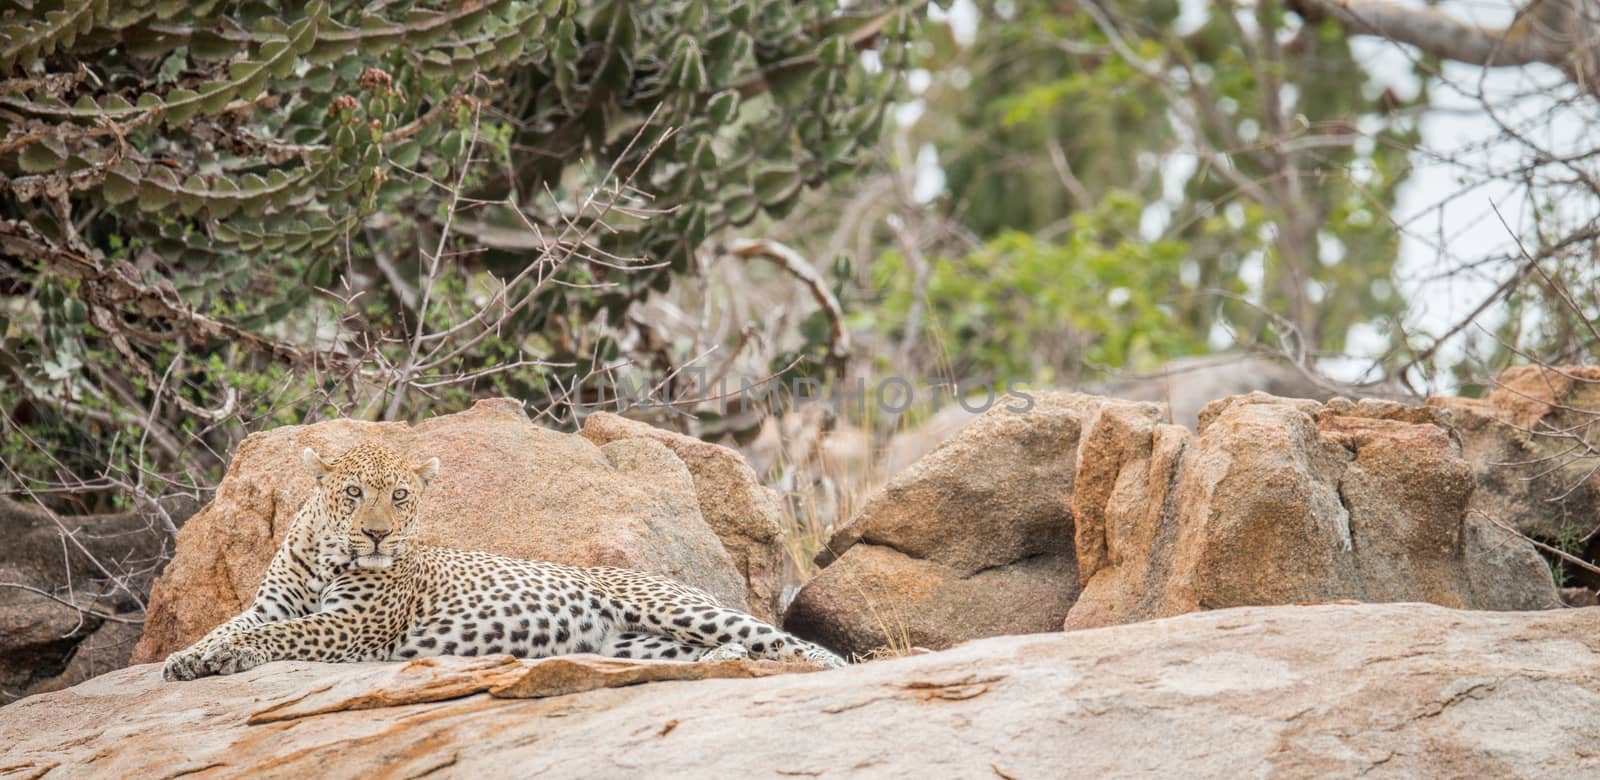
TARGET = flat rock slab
(1298,691)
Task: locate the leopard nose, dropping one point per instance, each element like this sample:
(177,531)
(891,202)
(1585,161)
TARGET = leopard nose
(375,536)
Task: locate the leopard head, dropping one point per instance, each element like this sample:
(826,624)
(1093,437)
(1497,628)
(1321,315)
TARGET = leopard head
(369,498)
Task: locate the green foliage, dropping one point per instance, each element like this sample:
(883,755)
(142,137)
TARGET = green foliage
(162,162)
(1046,116)
(1328,260)
(1024,307)
(1020,93)
(230,137)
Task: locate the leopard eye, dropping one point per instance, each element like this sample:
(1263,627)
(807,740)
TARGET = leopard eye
(401,494)
(353,491)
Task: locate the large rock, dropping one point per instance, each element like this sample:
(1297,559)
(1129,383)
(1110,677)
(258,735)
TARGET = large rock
(1531,443)
(506,486)
(974,540)
(1125,509)
(1275,501)
(1397,690)
(1281,501)
(742,512)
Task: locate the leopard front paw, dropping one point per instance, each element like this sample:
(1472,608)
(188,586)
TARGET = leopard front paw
(232,657)
(185,664)
(825,659)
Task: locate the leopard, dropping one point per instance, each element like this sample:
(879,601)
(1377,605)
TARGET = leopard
(351,582)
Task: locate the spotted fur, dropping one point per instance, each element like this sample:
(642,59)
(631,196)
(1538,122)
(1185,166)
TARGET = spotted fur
(350,583)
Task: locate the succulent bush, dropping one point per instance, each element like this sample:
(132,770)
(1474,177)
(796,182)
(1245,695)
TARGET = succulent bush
(178,180)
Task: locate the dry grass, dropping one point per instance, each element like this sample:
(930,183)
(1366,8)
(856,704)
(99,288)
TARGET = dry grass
(892,626)
(824,481)
(822,489)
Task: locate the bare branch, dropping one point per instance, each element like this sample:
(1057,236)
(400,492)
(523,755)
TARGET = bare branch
(1561,33)
(791,262)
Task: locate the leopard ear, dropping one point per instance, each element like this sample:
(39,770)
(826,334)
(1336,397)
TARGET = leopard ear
(427,470)
(315,463)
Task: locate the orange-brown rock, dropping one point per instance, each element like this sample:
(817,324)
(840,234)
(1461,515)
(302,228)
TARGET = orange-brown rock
(1103,513)
(1124,506)
(1281,501)
(1276,501)
(1391,690)
(1531,443)
(379,685)
(568,674)
(506,486)
(742,512)
(974,540)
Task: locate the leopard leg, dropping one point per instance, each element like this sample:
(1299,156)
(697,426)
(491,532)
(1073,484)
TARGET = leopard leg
(285,594)
(189,663)
(324,636)
(718,627)
(643,644)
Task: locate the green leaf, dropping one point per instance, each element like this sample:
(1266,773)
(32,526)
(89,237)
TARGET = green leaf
(406,153)
(215,95)
(739,203)
(157,190)
(774,183)
(302,35)
(835,52)
(244,69)
(692,226)
(689,72)
(182,105)
(453,145)
(42,156)
(721,106)
(704,157)
(121,184)
(566,48)
(191,196)
(208,46)
(172,66)
(436,65)
(223,200)
(792,83)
